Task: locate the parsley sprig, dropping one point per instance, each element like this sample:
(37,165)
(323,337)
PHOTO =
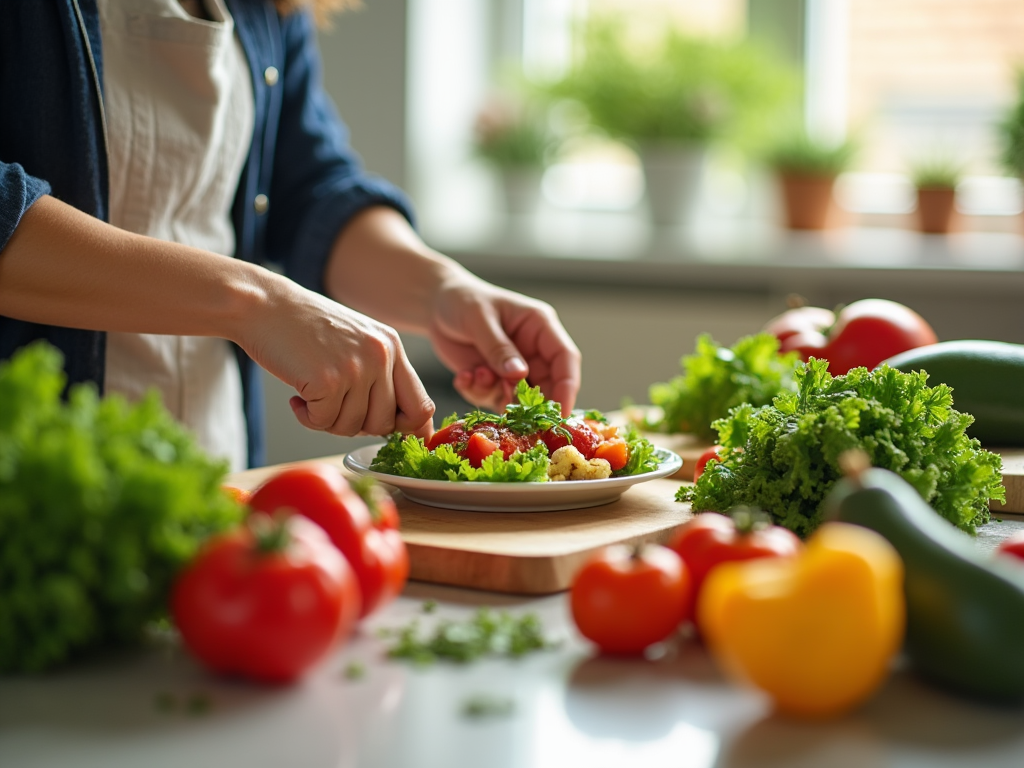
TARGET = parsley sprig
(533,413)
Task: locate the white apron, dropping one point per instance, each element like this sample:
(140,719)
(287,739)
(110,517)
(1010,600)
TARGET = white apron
(179,111)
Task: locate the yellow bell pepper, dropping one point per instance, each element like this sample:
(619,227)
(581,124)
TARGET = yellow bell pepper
(817,632)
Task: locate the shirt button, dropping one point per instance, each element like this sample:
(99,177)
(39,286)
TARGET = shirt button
(260,204)
(270,75)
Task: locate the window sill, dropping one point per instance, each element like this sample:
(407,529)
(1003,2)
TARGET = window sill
(622,249)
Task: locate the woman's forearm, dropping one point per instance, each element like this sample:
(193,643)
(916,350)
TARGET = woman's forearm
(64,267)
(380,266)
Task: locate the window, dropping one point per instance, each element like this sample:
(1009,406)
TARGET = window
(912,80)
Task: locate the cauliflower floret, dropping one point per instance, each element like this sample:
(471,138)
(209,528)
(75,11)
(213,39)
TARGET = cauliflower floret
(567,463)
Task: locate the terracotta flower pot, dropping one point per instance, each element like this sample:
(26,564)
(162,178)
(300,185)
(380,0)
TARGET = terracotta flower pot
(808,200)
(936,210)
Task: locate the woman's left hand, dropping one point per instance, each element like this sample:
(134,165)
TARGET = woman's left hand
(491,338)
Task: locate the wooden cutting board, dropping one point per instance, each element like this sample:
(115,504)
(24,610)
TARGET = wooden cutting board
(520,552)
(538,552)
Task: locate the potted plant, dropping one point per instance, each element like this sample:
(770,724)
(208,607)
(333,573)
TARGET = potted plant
(807,169)
(672,96)
(512,135)
(935,181)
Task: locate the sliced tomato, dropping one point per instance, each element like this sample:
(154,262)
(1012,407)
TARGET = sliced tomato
(581,436)
(479,448)
(454,434)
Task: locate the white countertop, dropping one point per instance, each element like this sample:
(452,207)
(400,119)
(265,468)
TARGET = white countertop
(571,708)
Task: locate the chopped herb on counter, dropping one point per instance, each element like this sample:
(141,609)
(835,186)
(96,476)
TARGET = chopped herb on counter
(488,633)
(165,702)
(485,705)
(429,606)
(354,670)
(198,704)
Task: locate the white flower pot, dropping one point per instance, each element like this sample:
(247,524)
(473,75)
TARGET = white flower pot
(520,189)
(673,180)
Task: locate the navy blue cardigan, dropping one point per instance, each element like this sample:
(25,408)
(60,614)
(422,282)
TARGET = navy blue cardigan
(52,142)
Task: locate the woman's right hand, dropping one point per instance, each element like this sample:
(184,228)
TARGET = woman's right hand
(350,371)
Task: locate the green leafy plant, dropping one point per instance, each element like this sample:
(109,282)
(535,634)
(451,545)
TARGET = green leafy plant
(936,173)
(784,457)
(1011,132)
(101,502)
(673,87)
(717,378)
(511,131)
(800,154)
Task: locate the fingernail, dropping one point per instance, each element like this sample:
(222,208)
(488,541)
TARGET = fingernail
(514,365)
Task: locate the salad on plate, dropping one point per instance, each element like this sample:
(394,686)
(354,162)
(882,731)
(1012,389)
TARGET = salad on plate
(529,442)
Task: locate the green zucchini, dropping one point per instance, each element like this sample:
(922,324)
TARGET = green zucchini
(987,378)
(965,609)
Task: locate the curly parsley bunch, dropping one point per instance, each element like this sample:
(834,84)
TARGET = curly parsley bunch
(100,503)
(784,457)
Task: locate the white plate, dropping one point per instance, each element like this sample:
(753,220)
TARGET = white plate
(511,497)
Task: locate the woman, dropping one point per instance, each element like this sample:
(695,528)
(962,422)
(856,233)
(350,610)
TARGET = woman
(145,143)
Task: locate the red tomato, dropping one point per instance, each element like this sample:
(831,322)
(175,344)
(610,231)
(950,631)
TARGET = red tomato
(583,438)
(800,320)
(710,539)
(454,434)
(864,333)
(702,462)
(479,448)
(388,545)
(320,492)
(1013,545)
(381,505)
(266,604)
(624,600)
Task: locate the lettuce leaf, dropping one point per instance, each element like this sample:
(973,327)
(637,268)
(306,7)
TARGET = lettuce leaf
(409,457)
(716,379)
